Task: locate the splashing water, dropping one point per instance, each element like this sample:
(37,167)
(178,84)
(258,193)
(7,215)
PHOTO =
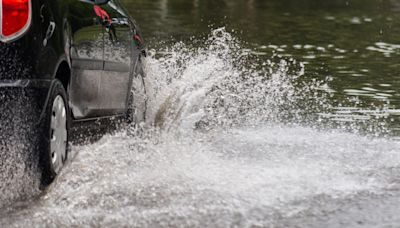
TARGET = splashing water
(216,86)
(19,176)
(226,143)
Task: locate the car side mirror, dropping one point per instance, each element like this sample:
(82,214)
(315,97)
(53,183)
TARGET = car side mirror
(101,2)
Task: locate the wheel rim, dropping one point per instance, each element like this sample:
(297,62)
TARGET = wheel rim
(58,133)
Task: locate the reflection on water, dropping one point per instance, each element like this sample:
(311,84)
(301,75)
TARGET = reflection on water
(352,45)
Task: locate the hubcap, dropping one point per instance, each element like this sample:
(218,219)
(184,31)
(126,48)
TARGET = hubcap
(58,133)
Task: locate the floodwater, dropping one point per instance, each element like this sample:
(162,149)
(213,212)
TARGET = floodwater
(260,114)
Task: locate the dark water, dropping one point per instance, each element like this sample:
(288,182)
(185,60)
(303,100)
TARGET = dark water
(351,45)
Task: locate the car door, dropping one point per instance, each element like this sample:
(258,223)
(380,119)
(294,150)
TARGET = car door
(118,62)
(87,59)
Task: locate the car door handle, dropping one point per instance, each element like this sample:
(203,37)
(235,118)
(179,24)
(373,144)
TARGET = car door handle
(49,32)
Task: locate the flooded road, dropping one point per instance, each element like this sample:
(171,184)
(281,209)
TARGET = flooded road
(289,120)
(264,176)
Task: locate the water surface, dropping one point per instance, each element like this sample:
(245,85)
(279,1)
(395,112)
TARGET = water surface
(351,45)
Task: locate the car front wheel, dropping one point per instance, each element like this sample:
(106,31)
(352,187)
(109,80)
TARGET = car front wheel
(137,105)
(54,140)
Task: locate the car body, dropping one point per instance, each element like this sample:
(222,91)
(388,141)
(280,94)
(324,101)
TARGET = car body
(76,60)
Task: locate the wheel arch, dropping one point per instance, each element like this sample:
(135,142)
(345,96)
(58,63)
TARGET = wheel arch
(63,73)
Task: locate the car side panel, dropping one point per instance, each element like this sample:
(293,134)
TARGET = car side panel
(87,59)
(118,65)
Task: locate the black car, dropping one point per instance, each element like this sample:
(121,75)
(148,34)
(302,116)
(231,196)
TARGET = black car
(75,60)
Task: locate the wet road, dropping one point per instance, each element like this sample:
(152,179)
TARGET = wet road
(259,177)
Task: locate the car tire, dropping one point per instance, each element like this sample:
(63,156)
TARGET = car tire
(55,127)
(137,103)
